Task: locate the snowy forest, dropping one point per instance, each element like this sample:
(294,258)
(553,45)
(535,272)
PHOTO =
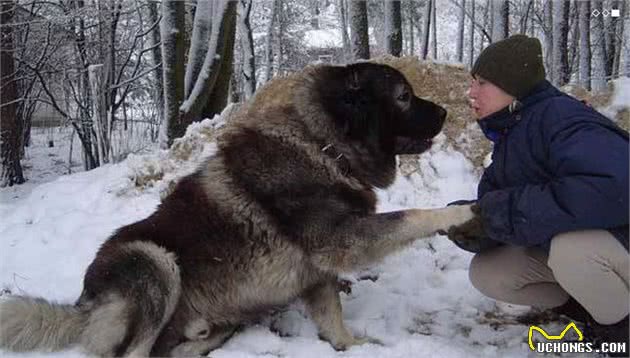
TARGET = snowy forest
(126,75)
(107,104)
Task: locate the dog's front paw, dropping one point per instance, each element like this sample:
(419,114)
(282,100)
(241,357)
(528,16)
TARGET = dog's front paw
(458,215)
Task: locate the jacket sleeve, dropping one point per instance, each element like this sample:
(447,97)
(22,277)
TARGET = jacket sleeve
(589,188)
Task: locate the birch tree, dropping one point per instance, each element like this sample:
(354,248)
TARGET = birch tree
(584,9)
(359,40)
(393,28)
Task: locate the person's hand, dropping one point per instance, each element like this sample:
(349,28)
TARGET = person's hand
(470,230)
(471,235)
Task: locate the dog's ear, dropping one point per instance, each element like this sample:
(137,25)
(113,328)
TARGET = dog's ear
(361,120)
(346,94)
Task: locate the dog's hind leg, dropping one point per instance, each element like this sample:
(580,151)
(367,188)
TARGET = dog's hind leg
(323,304)
(201,347)
(135,289)
(357,242)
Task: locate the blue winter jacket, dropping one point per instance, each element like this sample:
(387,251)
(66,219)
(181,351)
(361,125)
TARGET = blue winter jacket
(557,166)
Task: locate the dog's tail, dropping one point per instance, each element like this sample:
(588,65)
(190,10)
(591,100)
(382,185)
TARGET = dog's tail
(28,324)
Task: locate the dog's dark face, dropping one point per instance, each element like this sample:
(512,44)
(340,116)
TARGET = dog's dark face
(375,104)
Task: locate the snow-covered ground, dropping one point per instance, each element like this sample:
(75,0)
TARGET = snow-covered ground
(421,304)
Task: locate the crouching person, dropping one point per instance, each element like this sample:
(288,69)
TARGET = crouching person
(553,222)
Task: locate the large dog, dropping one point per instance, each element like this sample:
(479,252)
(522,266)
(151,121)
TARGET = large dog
(285,205)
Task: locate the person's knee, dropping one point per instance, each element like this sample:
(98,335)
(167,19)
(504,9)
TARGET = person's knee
(482,271)
(562,253)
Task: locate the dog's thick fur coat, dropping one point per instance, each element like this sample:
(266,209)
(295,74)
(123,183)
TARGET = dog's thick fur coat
(285,205)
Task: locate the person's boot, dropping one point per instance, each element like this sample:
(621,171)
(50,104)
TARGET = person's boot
(608,333)
(574,310)
(571,309)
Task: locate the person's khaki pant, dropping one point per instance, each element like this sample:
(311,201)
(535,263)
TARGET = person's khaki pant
(591,266)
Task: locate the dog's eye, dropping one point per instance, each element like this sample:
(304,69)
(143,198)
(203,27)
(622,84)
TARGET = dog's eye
(404,97)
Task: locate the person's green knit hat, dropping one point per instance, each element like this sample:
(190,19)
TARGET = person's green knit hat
(514,64)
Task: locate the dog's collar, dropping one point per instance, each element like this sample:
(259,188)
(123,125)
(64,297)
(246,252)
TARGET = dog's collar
(339,158)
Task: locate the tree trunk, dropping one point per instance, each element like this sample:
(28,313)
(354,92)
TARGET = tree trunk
(199,43)
(472,33)
(157,60)
(548,30)
(341,9)
(610,24)
(459,50)
(598,64)
(359,40)
(173,57)
(393,28)
(500,20)
(584,9)
(10,133)
(560,27)
(269,40)
(100,113)
(434,28)
(426,28)
(411,45)
(618,38)
(247,44)
(218,98)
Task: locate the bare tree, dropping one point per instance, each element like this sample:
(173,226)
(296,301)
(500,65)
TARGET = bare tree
(10,133)
(154,17)
(472,33)
(173,67)
(426,28)
(341,10)
(269,39)
(247,44)
(359,40)
(584,8)
(459,50)
(548,31)
(208,83)
(500,19)
(560,25)
(409,36)
(202,28)
(598,48)
(393,27)
(618,38)
(434,28)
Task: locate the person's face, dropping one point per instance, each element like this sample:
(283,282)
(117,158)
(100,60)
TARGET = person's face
(486,98)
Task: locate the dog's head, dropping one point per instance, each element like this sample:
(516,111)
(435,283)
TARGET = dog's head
(375,105)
